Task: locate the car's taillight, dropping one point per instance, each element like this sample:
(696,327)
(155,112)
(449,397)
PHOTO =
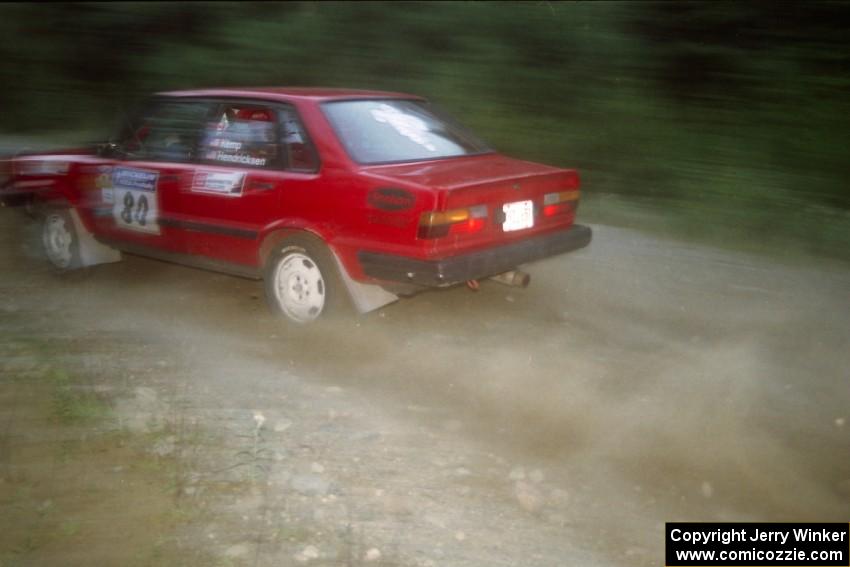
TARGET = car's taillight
(457,221)
(561,202)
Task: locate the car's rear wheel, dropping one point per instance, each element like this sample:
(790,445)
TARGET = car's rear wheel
(59,240)
(302,281)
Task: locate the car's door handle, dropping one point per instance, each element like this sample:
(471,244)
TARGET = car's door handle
(260,185)
(169,177)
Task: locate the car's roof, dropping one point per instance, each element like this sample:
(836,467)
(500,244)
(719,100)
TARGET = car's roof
(287,93)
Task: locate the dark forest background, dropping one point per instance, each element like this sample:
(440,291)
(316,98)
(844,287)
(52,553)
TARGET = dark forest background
(726,121)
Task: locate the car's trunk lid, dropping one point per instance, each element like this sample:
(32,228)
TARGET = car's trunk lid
(512,191)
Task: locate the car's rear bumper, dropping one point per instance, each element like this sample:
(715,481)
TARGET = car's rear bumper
(475,265)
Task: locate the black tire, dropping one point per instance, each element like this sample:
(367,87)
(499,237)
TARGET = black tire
(302,281)
(59,240)
(30,207)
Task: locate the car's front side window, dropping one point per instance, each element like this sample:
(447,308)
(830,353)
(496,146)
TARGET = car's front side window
(398,130)
(165,131)
(231,133)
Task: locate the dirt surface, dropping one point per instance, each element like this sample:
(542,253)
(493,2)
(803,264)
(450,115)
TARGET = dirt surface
(638,381)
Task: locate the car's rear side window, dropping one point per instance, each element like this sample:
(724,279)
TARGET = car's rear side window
(298,151)
(242,135)
(251,135)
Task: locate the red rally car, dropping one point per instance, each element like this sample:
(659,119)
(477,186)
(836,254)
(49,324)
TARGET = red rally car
(333,197)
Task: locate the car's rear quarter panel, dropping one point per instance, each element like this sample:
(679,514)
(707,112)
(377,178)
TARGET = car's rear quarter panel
(338,208)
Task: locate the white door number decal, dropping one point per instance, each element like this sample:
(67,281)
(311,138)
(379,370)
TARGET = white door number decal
(135,205)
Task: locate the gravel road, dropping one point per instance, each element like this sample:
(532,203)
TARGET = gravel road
(638,381)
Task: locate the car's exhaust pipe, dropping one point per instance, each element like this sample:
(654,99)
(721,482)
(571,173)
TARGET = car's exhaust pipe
(516,278)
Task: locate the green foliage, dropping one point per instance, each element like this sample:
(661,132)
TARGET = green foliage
(738,107)
(71,404)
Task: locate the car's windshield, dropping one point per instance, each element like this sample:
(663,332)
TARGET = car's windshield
(396,130)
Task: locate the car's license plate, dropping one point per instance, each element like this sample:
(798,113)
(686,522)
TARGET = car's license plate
(518,215)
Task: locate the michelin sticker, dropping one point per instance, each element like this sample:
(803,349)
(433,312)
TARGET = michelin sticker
(219,182)
(134,200)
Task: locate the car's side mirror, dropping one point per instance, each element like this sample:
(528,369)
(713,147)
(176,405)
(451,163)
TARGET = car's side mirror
(114,150)
(108,149)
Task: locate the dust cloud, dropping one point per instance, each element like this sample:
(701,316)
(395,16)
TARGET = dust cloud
(639,381)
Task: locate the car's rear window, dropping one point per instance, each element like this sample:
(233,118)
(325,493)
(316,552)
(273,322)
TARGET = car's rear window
(398,130)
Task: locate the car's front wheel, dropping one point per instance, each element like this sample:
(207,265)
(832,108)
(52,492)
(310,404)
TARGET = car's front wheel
(59,240)
(302,281)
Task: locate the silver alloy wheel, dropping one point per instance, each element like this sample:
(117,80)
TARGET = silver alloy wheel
(58,239)
(299,287)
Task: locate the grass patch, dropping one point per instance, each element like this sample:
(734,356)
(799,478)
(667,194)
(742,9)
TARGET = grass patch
(72,404)
(779,231)
(71,479)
